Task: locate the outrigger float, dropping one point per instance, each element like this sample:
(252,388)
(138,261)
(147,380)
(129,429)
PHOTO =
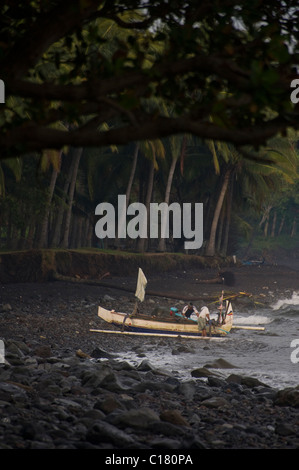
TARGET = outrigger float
(173,326)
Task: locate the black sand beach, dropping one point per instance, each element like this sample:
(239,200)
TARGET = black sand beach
(64,386)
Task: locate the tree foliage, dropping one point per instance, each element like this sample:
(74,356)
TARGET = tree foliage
(220,65)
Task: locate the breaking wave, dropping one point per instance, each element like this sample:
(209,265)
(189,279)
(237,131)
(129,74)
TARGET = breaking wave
(288,302)
(252,320)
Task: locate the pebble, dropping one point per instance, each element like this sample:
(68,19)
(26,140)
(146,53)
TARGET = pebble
(61,399)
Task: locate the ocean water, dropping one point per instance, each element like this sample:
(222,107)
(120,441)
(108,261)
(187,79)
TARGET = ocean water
(272,355)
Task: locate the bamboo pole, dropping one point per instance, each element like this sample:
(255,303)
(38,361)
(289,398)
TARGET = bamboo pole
(165,335)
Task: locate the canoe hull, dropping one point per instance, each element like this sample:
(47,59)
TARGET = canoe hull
(147,324)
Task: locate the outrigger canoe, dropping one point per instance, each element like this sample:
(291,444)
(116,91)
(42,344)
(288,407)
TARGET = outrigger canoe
(173,326)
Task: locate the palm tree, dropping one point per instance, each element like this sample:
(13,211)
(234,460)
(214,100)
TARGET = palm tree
(53,157)
(177,146)
(152,150)
(257,173)
(76,156)
(210,251)
(132,173)
(15,166)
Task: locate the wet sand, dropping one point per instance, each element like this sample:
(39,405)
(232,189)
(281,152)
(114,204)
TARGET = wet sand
(64,313)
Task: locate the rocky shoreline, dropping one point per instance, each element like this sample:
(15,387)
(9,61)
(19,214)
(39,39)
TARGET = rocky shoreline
(73,400)
(64,387)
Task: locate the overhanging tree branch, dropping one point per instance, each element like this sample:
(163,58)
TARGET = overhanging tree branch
(35,138)
(206,64)
(95,88)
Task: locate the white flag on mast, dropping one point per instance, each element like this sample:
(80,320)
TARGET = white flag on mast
(141,285)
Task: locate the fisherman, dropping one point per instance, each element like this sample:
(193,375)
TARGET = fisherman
(190,311)
(202,317)
(221,315)
(204,320)
(222,311)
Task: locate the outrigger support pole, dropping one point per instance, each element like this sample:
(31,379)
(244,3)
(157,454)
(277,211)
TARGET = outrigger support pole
(135,310)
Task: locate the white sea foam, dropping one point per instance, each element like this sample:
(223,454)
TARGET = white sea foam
(251,320)
(283,303)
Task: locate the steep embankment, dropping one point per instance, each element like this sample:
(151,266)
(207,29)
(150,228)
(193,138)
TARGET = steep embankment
(43,265)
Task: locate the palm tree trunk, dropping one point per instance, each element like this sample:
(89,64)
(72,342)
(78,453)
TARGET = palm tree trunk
(30,233)
(265,215)
(76,158)
(56,239)
(78,231)
(141,245)
(274,225)
(228,221)
(90,232)
(43,238)
(175,157)
(162,241)
(266,226)
(129,186)
(293,232)
(220,229)
(132,174)
(212,239)
(281,225)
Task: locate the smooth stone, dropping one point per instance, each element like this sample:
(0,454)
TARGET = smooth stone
(67,403)
(220,364)
(98,353)
(216,382)
(140,418)
(102,432)
(108,405)
(5,308)
(152,385)
(287,397)
(165,443)
(95,377)
(94,414)
(187,389)
(43,351)
(201,372)
(215,402)
(250,382)
(284,429)
(174,417)
(169,429)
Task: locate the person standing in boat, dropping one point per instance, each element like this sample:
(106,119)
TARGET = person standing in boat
(204,320)
(202,317)
(190,311)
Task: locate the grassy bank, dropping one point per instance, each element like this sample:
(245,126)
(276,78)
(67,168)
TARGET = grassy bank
(40,265)
(271,248)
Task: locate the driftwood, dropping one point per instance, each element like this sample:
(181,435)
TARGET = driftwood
(216,280)
(212,299)
(98,282)
(225,278)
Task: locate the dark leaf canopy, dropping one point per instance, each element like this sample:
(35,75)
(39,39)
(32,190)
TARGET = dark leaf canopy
(223,68)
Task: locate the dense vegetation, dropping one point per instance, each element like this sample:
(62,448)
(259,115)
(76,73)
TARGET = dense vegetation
(55,207)
(165,101)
